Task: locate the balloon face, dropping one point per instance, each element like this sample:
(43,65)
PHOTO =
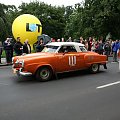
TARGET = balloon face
(27,26)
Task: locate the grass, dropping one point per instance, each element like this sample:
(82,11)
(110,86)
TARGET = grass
(3,54)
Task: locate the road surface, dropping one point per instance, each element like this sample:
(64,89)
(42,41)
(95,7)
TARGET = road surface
(74,96)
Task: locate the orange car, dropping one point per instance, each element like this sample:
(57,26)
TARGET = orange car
(58,57)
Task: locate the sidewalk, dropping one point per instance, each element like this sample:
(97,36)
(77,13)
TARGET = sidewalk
(3,62)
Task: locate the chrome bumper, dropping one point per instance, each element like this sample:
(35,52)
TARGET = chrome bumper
(22,73)
(25,73)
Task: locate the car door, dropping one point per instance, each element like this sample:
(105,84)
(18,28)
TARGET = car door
(68,59)
(76,60)
(62,63)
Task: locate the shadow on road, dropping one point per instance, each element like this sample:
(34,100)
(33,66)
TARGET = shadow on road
(67,75)
(76,74)
(22,79)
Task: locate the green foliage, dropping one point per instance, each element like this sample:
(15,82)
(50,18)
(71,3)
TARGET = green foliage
(95,18)
(51,17)
(7,15)
(3,23)
(89,18)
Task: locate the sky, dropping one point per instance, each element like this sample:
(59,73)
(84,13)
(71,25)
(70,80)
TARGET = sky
(52,2)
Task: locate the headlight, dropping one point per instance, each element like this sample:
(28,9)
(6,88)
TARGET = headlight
(22,63)
(19,63)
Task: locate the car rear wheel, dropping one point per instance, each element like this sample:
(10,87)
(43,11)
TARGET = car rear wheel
(94,68)
(44,74)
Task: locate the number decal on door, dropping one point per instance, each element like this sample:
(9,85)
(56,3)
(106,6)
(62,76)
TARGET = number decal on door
(72,60)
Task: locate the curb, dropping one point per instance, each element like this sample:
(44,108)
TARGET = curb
(5,64)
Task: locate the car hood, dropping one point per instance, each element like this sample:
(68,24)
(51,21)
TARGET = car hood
(33,55)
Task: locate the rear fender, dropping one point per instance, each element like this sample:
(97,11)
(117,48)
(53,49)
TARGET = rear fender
(95,59)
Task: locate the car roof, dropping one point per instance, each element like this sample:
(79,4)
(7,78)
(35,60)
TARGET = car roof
(64,43)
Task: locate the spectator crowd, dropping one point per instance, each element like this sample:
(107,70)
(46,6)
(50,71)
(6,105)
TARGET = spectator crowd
(18,48)
(106,47)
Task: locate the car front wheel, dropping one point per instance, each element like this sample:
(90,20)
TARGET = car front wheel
(94,68)
(44,74)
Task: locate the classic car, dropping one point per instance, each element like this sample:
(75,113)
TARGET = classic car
(58,57)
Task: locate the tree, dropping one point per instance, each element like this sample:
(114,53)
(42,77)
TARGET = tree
(51,17)
(95,18)
(89,18)
(6,18)
(3,23)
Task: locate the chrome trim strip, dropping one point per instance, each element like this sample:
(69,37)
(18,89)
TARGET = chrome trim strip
(72,61)
(19,72)
(69,61)
(75,60)
(25,73)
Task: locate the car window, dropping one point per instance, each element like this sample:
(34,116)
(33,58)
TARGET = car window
(82,48)
(67,49)
(50,49)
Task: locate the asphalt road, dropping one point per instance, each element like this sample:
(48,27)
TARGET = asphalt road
(74,96)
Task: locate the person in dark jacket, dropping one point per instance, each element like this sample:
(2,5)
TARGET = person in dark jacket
(107,49)
(8,47)
(100,47)
(26,47)
(90,43)
(18,47)
(40,45)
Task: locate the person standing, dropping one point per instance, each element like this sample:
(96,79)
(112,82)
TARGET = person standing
(69,39)
(40,45)
(58,40)
(26,47)
(62,40)
(100,47)
(107,49)
(118,54)
(90,43)
(115,47)
(18,47)
(0,50)
(8,50)
(93,45)
(81,40)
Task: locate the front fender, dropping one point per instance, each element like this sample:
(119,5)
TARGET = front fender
(35,66)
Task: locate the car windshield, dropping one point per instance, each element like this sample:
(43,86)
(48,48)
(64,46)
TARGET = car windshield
(83,49)
(50,49)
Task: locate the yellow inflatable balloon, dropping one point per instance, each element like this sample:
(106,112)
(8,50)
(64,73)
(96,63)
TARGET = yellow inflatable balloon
(27,26)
